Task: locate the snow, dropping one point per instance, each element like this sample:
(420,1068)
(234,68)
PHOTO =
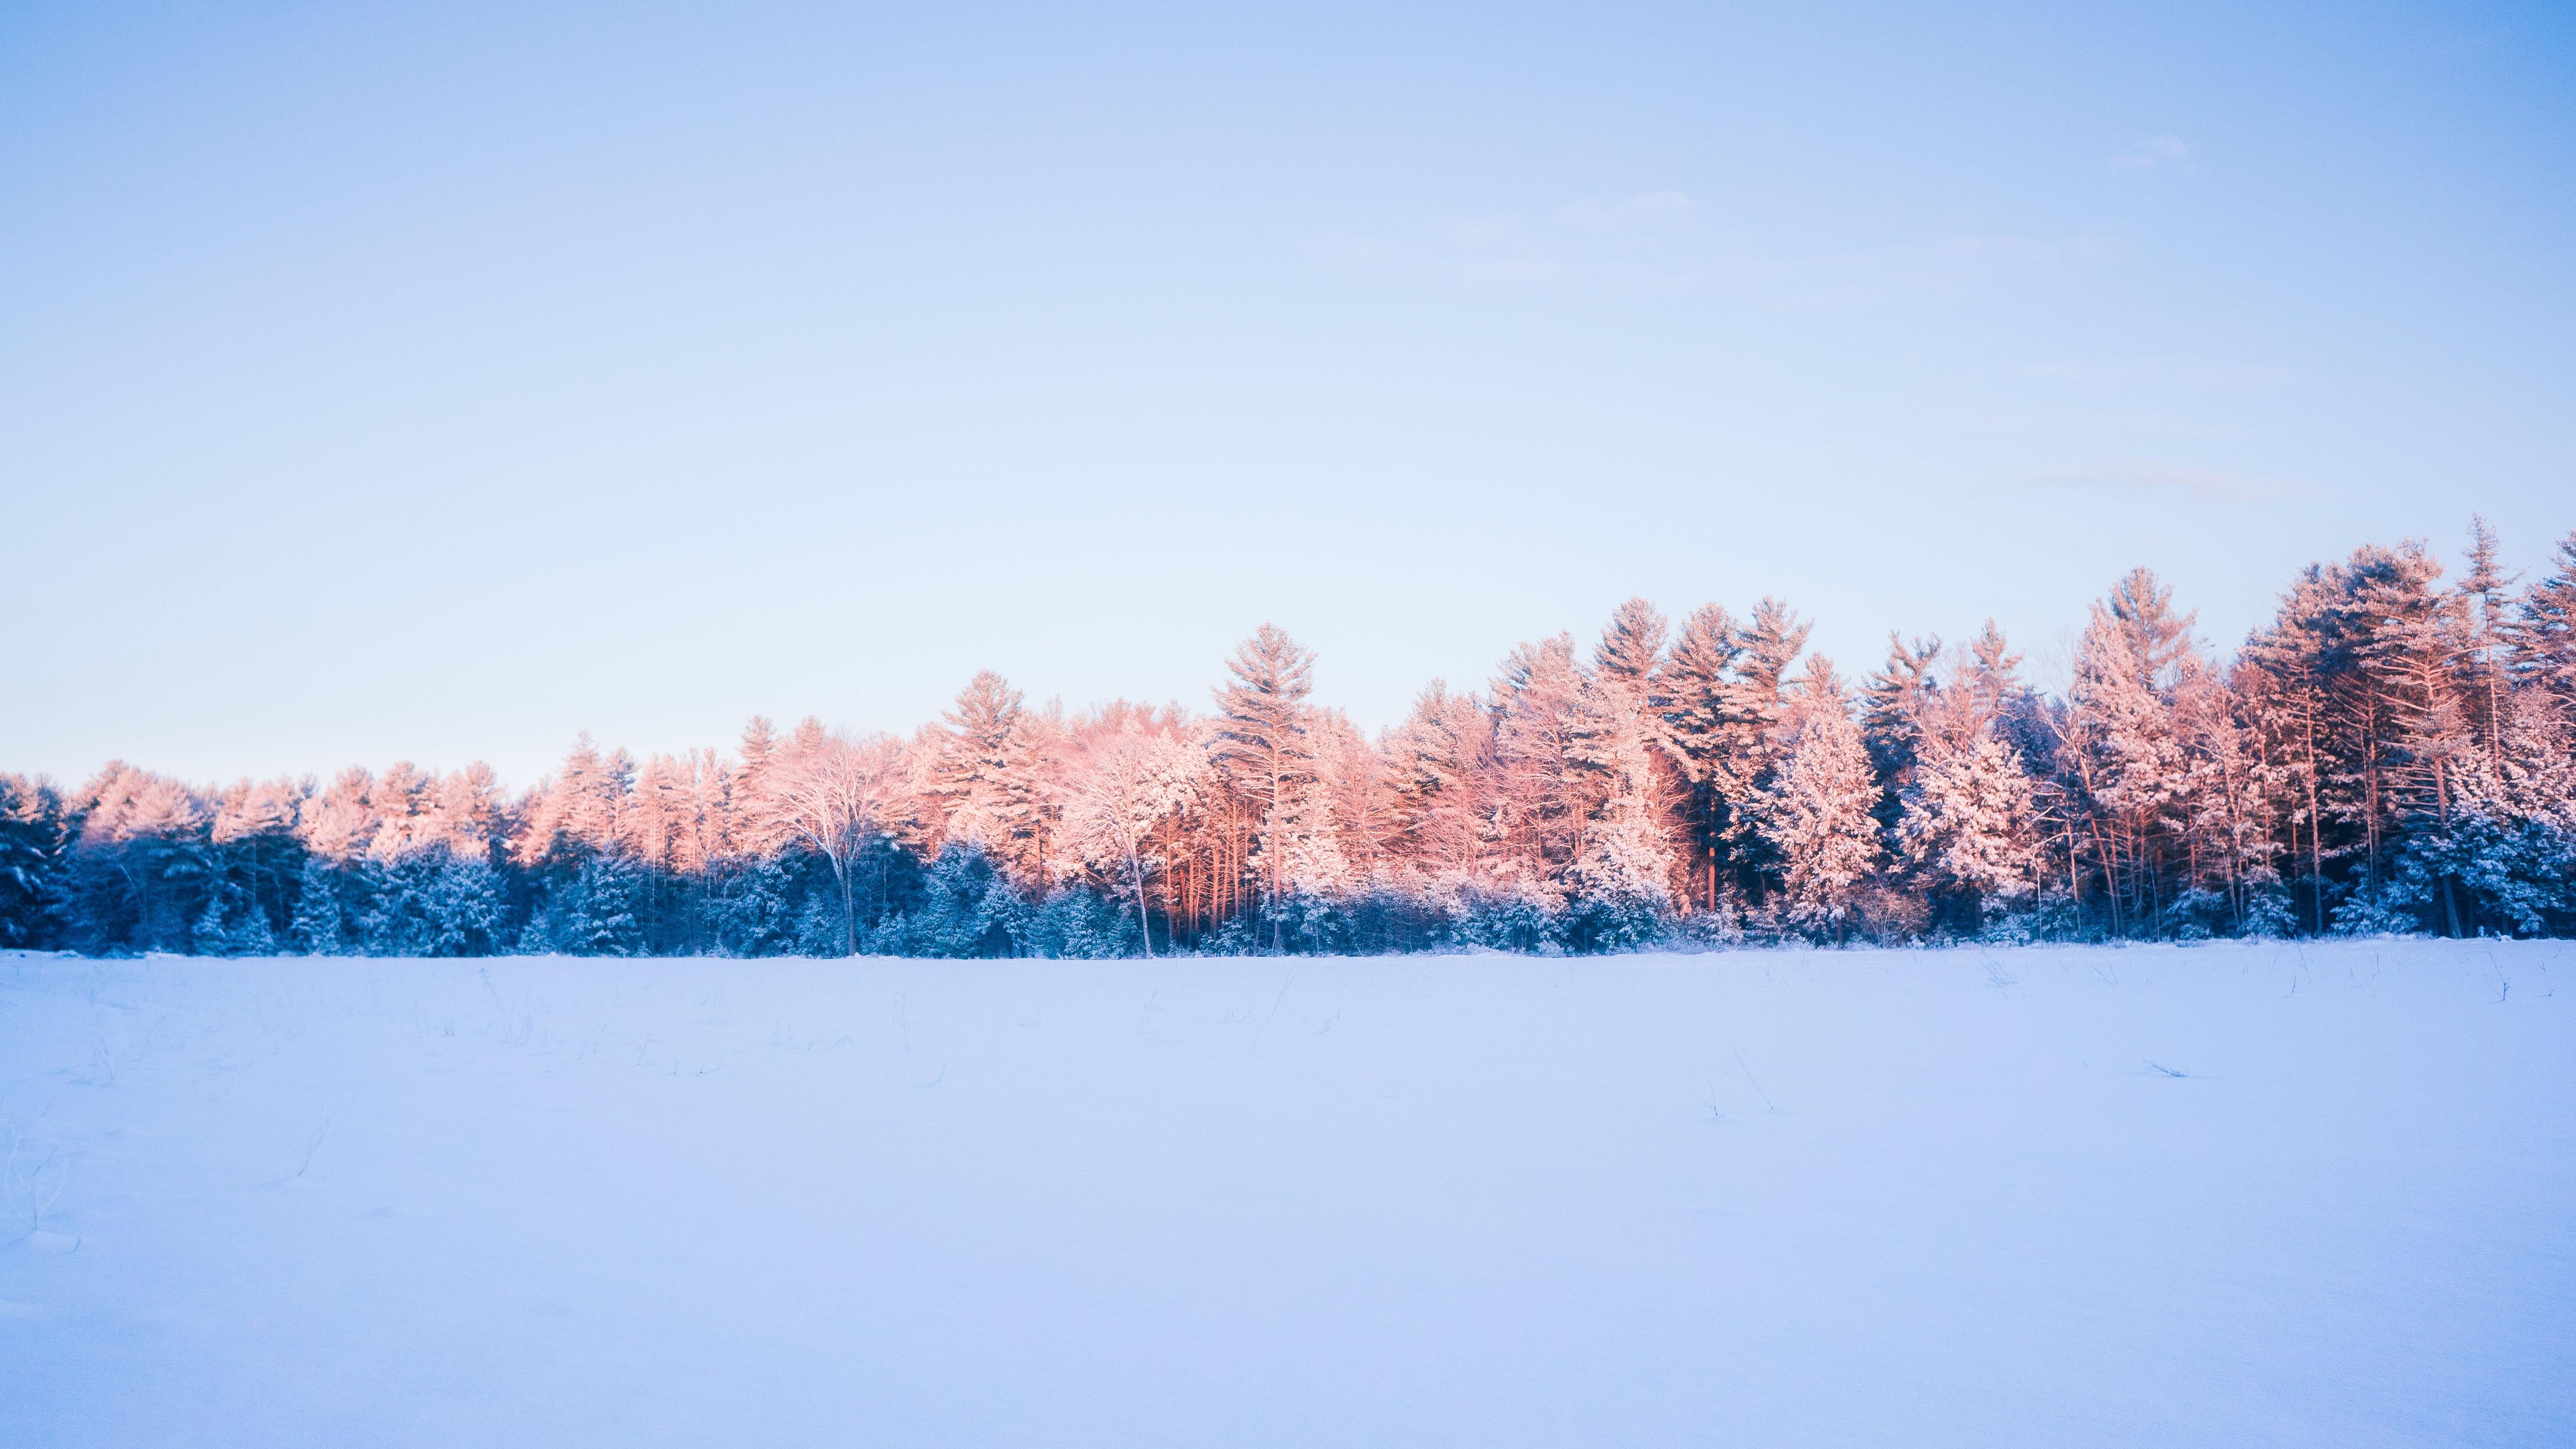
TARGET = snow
(2226,1194)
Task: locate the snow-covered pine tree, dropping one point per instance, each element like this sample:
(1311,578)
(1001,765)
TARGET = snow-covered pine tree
(466,812)
(2122,754)
(1968,829)
(1897,702)
(338,823)
(1750,752)
(139,862)
(1542,794)
(1815,815)
(1694,693)
(1355,799)
(1624,865)
(2542,636)
(208,936)
(256,846)
(1631,647)
(983,782)
(594,911)
(33,840)
(250,933)
(1263,746)
(317,926)
(400,801)
(2485,593)
(1439,763)
(751,906)
(2229,809)
(458,900)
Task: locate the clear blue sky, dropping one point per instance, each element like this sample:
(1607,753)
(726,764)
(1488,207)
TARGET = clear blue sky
(435,387)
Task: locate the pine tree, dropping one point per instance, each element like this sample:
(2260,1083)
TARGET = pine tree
(252,935)
(1993,678)
(1439,774)
(1695,695)
(2123,756)
(208,937)
(1623,864)
(1816,815)
(2542,633)
(749,908)
(339,823)
(400,802)
(2283,674)
(967,909)
(460,906)
(593,912)
(33,841)
(139,869)
(1631,647)
(255,842)
(317,926)
(1968,826)
(1263,746)
(1750,751)
(1543,796)
(983,776)
(1897,703)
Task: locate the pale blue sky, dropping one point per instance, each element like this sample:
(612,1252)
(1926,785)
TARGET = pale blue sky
(436,387)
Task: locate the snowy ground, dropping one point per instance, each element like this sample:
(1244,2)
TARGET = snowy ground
(2226,1195)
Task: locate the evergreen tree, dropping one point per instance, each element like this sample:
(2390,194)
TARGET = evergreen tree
(208,938)
(2123,756)
(1750,747)
(461,906)
(753,909)
(33,841)
(1623,866)
(1898,701)
(1440,767)
(317,926)
(593,912)
(139,868)
(983,776)
(1816,816)
(1543,796)
(339,823)
(1694,693)
(1262,745)
(2542,634)
(252,935)
(1967,829)
(967,909)
(1631,647)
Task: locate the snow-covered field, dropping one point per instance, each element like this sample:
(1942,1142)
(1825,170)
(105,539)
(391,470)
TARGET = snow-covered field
(2224,1195)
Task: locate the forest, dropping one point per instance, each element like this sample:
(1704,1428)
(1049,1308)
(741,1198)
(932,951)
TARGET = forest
(2390,752)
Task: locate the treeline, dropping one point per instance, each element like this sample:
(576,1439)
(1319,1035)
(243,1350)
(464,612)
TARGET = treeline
(2389,753)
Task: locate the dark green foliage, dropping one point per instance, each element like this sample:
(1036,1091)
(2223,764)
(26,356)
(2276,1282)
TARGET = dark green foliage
(965,908)
(434,904)
(320,925)
(594,910)
(1079,925)
(752,908)
(33,841)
